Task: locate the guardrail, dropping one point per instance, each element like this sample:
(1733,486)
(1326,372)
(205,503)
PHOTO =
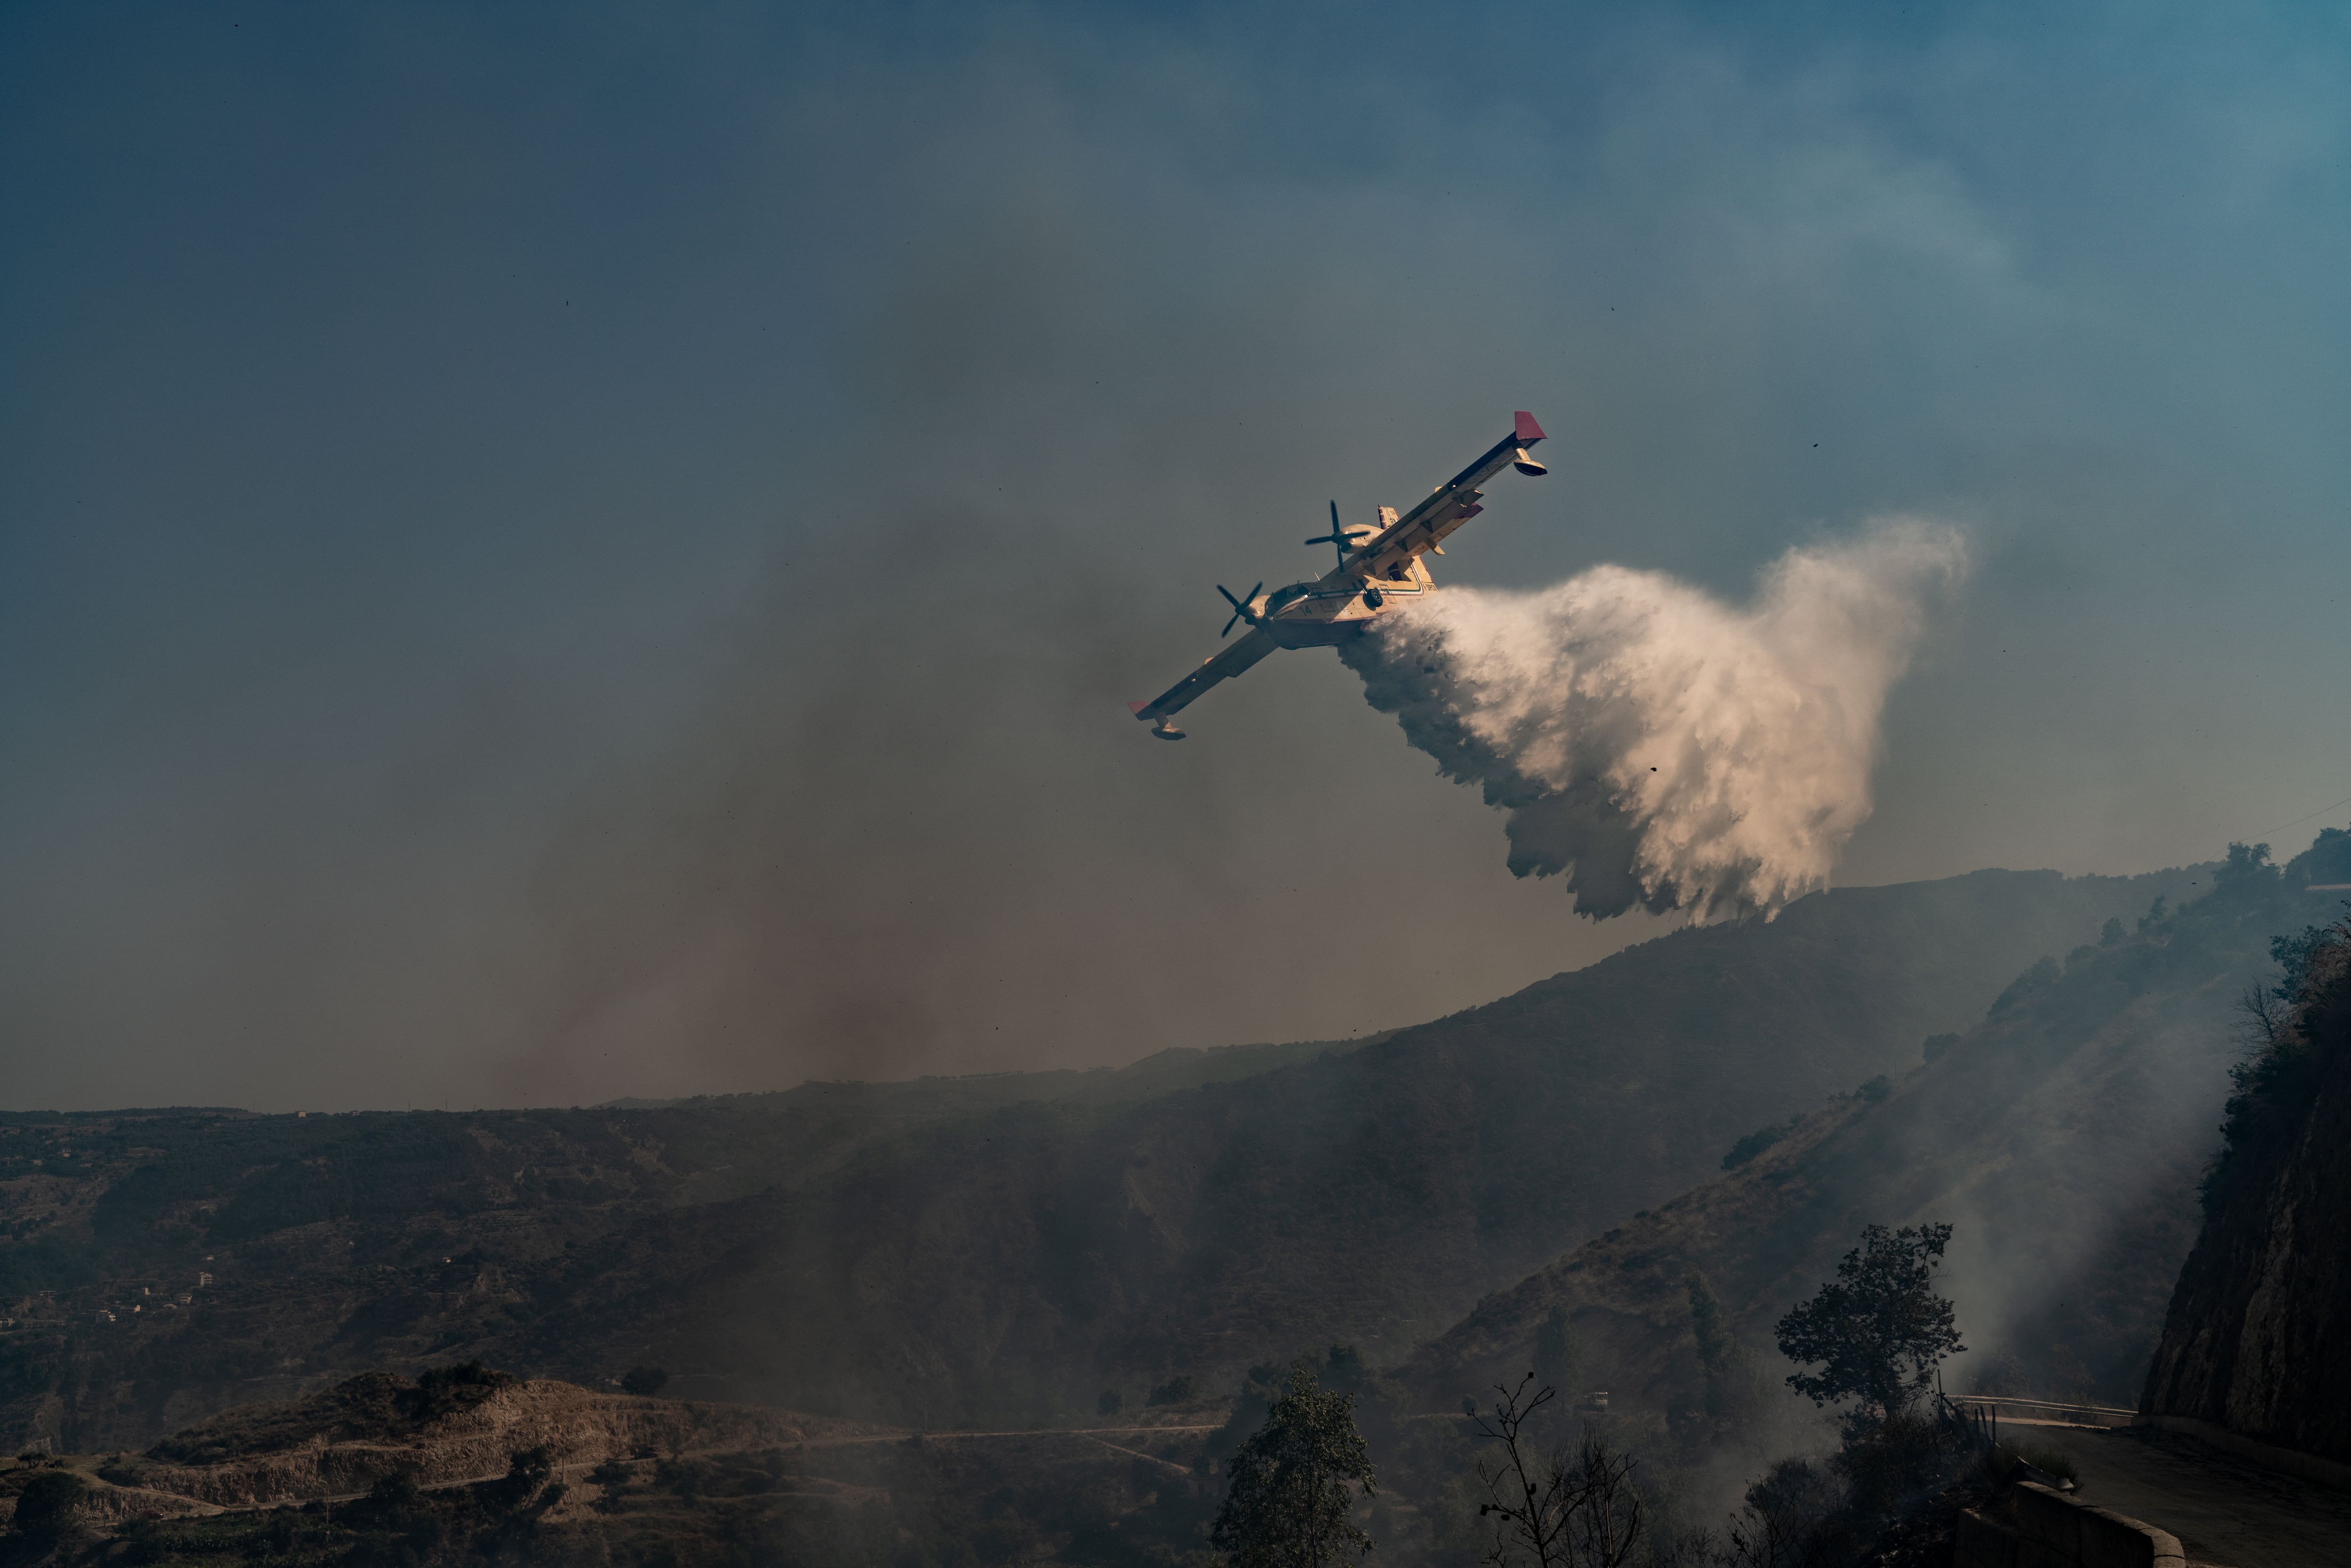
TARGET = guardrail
(2072,1413)
(2043,1529)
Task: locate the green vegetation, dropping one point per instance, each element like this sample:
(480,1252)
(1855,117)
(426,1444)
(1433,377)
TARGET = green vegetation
(46,1503)
(1756,1142)
(1291,1499)
(1879,1330)
(2288,1048)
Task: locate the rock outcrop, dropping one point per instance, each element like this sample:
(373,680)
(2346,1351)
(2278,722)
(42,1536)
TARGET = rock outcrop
(343,1441)
(2253,1341)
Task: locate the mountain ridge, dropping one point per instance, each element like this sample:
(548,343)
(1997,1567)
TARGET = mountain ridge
(892,1253)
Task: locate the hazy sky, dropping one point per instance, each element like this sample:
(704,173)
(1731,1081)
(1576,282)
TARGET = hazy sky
(548,553)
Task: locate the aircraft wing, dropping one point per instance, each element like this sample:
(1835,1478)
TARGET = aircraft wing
(1227,662)
(1454,503)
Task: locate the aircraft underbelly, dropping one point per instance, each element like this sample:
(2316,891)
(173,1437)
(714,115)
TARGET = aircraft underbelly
(1315,634)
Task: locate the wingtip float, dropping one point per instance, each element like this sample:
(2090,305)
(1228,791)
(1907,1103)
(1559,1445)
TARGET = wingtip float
(1379,570)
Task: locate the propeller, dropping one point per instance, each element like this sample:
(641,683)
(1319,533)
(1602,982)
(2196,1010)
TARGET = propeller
(1241,610)
(1337,537)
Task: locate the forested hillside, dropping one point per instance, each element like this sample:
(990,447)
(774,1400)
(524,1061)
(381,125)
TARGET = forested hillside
(999,1249)
(2064,1137)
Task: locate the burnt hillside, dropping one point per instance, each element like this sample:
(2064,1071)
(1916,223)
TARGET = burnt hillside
(964,1249)
(1022,1262)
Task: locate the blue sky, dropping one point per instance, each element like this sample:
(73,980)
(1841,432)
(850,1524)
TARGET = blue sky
(548,553)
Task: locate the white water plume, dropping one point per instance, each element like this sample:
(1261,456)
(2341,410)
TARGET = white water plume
(1654,746)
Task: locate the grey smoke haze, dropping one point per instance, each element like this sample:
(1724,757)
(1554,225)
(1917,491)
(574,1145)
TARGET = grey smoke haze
(1655,748)
(546,556)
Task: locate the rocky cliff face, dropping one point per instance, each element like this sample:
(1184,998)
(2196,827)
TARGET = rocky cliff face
(2253,1341)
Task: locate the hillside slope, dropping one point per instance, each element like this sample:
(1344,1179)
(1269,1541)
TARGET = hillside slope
(2064,1136)
(910,1253)
(157,1265)
(1018,1263)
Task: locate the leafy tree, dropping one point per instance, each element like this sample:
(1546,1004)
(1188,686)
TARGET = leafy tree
(644,1381)
(45,1505)
(1111,1403)
(2293,954)
(1293,1486)
(1174,1391)
(1756,1142)
(528,1472)
(2044,974)
(1880,1330)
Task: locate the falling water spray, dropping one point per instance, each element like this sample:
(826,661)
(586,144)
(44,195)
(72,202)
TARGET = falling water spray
(1655,747)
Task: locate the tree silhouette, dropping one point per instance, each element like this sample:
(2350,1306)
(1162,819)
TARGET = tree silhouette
(1293,1486)
(1879,1330)
(1574,1506)
(45,1505)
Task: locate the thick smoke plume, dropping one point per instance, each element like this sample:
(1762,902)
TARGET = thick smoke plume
(1654,746)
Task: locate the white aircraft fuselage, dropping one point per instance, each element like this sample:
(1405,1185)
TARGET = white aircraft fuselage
(1379,571)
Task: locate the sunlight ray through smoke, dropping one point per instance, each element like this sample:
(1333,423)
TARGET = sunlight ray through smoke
(1654,746)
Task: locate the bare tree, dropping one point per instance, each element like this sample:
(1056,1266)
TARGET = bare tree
(2264,1021)
(1605,1524)
(1570,1507)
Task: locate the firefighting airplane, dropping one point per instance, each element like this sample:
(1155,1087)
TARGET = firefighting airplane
(1379,571)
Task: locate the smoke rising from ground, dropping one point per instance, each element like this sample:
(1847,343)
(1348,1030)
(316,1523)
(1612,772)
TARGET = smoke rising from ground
(1659,747)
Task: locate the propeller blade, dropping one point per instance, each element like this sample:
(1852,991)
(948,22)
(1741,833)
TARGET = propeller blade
(1240,607)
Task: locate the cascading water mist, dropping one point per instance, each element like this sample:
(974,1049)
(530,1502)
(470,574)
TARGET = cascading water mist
(1659,747)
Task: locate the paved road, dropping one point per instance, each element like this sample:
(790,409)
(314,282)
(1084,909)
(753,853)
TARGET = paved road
(2224,1510)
